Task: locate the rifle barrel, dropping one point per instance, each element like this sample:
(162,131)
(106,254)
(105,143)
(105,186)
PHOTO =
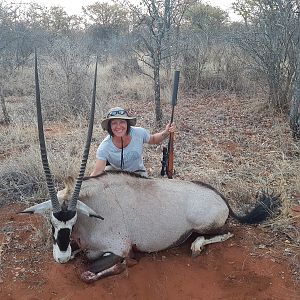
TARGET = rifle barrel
(170,162)
(175,92)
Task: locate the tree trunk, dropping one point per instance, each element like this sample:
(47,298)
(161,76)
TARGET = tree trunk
(277,99)
(294,111)
(3,106)
(167,21)
(158,112)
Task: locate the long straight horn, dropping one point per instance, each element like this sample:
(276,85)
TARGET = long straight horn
(73,202)
(49,179)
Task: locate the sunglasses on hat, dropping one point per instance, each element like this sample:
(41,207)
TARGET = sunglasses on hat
(117,112)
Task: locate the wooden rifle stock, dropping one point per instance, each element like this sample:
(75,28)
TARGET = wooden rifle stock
(170,163)
(164,161)
(170,160)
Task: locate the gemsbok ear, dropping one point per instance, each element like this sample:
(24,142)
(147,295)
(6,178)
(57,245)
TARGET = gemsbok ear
(42,207)
(38,208)
(84,209)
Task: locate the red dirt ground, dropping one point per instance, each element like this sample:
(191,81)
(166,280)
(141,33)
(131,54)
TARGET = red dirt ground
(257,263)
(251,265)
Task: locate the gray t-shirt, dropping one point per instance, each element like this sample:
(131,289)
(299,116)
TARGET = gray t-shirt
(132,154)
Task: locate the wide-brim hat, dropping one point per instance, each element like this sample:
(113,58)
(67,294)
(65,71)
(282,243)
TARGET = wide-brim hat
(117,113)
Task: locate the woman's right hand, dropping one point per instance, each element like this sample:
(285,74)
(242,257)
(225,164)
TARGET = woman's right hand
(99,167)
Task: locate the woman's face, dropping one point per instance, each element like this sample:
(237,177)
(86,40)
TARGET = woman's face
(118,127)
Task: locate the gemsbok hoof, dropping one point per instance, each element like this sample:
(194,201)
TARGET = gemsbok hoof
(88,276)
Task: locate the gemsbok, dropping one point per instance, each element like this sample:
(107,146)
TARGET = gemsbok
(110,215)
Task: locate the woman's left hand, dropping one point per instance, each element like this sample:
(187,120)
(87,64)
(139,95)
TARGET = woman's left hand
(170,127)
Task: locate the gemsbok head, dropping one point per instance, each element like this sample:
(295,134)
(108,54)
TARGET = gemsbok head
(64,212)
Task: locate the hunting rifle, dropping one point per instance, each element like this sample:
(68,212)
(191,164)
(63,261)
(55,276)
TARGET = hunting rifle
(168,153)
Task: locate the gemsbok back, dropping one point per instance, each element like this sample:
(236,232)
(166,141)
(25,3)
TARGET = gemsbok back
(110,215)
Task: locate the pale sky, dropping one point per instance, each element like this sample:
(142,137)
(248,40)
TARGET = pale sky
(74,6)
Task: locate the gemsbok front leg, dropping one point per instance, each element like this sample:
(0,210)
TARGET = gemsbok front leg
(106,265)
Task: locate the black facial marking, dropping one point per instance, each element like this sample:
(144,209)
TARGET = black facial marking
(63,235)
(64,215)
(63,239)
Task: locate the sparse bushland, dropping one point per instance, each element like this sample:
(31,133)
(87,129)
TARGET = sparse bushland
(234,142)
(228,132)
(236,121)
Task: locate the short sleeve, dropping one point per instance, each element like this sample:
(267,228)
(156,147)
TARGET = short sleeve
(143,133)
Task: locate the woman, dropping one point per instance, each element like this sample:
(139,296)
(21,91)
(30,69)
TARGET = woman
(122,149)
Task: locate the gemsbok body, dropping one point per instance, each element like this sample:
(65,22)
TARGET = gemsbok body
(112,214)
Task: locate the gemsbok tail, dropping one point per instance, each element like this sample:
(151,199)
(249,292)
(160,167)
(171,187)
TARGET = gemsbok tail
(267,206)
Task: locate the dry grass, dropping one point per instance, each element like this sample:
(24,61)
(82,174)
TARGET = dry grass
(238,145)
(21,176)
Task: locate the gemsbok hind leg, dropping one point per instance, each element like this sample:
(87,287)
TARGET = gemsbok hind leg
(200,242)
